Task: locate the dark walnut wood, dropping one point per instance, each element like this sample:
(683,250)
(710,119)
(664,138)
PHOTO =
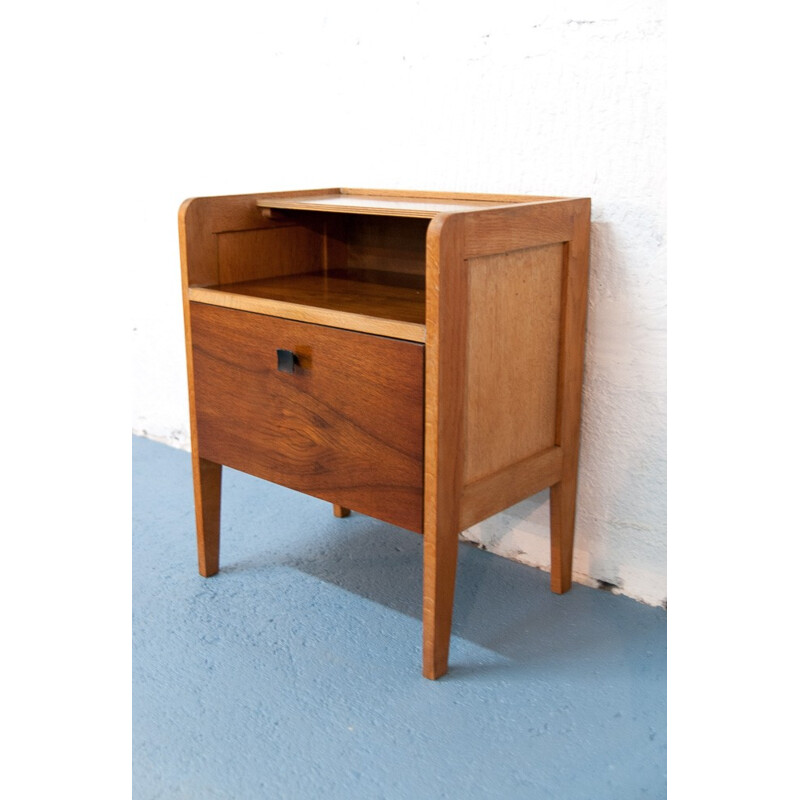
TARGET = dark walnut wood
(346,426)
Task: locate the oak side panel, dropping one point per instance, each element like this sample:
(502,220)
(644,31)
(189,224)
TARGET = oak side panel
(517,228)
(514,303)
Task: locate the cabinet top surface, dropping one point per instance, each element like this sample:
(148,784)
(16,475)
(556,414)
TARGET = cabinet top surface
(389,202)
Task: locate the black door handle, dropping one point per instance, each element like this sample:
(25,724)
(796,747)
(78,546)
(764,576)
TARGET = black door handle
(287,361)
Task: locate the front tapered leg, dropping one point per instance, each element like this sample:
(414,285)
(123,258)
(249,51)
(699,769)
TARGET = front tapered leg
(340,511)
(207,494)
(441,558)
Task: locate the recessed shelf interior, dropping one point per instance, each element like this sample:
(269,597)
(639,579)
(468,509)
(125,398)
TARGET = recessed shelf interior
(359,272)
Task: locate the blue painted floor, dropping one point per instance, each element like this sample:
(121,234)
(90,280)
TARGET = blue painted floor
(295,672)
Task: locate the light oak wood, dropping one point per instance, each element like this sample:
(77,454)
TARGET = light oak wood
(386,205)
(518,227)
(484,414)
(509,230)
(417,194)
(378,202)
(302,192)
(444,440)
(563,495)
(509,485)
(201,219)
(514,303)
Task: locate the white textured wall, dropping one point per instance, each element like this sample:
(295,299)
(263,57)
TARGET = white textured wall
(563,98)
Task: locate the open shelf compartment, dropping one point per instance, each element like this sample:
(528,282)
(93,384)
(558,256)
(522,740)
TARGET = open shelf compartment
(370,301)
(346,270)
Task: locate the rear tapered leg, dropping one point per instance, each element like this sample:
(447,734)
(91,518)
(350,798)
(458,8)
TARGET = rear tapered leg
(562,533)
(207,494)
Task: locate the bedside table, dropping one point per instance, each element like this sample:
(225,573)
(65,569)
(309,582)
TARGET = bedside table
(414,356)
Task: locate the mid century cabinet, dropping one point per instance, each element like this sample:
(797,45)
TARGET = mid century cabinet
(413,356)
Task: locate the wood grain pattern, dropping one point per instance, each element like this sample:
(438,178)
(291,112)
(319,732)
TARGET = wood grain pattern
(335,299)
(514,303)
(200,218)
(342,290)
(505,231)
(346,427)
(386,243)
(334,230)
(268,252)
(518,227)
(444,377)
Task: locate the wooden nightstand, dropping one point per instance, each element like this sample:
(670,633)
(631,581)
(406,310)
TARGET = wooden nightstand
(413,356)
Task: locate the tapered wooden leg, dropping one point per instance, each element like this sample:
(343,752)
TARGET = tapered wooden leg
(562,533)
(207,494)
(441,558)
(568,427)
(340,511)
